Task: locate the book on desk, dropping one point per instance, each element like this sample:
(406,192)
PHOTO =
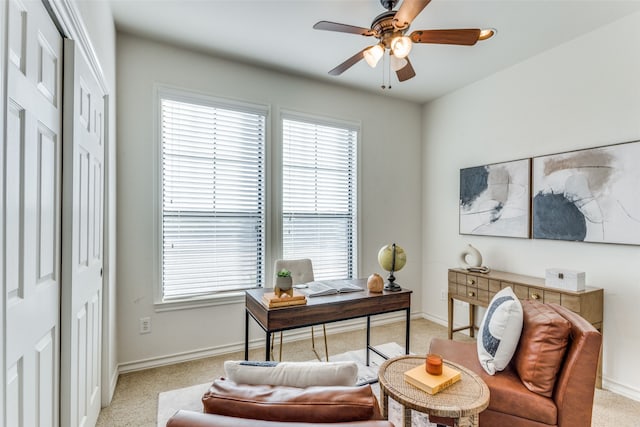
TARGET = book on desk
(271,300)
(432,384)
(329,287)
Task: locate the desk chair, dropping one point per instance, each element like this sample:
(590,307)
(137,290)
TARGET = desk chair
(301,272)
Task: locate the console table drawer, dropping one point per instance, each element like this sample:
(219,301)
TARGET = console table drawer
(470,280)
(468,293)
(544,296)
(483,296)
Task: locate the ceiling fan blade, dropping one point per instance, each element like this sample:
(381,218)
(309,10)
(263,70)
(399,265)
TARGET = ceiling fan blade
(409,9)
(407,72)
(466,37)
(344,28)
(348,63)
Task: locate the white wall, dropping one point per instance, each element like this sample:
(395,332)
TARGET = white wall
(98,21)
(389,179)
(582,94)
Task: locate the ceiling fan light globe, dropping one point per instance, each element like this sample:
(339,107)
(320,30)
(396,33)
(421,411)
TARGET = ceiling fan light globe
(401,46)
(373,55)
(397,63)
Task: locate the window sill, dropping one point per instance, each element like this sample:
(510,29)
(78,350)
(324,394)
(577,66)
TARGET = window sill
(235,297)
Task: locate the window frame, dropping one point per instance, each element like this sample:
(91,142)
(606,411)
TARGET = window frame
(184,95)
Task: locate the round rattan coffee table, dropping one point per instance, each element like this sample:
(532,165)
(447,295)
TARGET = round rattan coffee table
(463,401)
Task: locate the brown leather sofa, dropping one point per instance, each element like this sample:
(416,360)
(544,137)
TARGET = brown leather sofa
(184,418)
(511,403)
(228,404)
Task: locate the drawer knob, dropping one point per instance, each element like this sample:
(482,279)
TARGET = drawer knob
(535,296)
(471,294)
(471,282)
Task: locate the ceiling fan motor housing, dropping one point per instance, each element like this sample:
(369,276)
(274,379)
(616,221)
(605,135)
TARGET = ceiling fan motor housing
(384,28)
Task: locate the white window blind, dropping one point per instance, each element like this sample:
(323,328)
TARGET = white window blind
(319,197)
(213,198)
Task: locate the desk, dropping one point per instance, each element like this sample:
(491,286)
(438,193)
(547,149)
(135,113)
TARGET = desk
(463,401)
(325,309)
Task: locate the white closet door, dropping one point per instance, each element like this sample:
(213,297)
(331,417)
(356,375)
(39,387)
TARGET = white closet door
(32,216)
(83,157)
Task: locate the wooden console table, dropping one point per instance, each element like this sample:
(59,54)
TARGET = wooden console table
(477,289)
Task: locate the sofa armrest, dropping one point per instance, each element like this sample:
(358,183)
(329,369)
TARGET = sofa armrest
(576,381)
(184,418)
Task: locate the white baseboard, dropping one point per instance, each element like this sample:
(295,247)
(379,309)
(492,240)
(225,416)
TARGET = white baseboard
(435,319)
(621,389)
(112,383)
(154,362)
(293,335)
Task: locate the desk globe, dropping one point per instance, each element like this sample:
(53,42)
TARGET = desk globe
(392,258)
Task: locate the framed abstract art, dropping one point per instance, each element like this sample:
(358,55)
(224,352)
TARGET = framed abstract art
(588,195)
(495,199)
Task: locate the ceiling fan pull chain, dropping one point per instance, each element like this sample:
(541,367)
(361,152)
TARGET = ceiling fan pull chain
(383,85)
(389,71)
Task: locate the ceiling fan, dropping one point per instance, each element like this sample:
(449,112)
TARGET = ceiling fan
(390,27)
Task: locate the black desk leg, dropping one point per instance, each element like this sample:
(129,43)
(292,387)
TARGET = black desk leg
(246,334)
(267,347)
(368,337)
(406,338)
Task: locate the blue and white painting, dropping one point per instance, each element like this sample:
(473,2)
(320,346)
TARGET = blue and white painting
(588,195)
(495,199)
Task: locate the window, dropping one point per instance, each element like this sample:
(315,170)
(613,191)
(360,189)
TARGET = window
(319,192)
(212,197)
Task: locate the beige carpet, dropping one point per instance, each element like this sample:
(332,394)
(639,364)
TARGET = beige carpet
(135,401)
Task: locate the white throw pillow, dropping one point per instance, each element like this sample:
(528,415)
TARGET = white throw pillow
(500,331)
(292,374)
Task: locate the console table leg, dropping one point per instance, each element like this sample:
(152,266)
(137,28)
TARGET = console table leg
(368,337)
(472,320)
(450,315)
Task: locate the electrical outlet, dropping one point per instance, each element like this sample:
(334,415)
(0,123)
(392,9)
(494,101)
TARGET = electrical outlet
(443,295)
(145,325)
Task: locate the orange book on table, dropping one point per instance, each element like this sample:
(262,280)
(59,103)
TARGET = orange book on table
(432,384)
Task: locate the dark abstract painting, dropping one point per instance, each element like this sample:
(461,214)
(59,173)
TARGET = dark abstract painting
(588,195)
(494,199)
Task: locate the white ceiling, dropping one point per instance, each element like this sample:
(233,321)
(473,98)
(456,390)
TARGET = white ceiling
(278,34)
